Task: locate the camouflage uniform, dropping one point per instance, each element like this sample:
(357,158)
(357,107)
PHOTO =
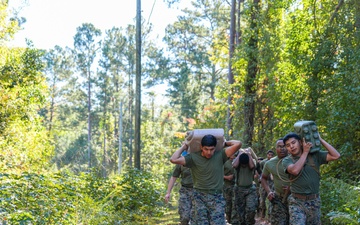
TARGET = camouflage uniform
(228,195)
(185,209)
(263,194)
(304,201)
(245,200)
(279,207)
(208,175)
(245,203)
(279,211)
(228,189)
(205,203)
(304,211)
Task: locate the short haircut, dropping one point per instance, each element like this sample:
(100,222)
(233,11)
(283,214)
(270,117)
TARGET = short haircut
(209,140)
(270,151)
(291,135)
(280,139)
(244,159)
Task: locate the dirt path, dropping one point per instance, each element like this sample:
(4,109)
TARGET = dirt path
(259,221)
(172,218)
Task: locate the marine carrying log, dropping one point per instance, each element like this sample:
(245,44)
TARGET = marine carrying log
(193,138)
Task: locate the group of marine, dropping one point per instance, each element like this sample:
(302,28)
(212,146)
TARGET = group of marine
(233,186)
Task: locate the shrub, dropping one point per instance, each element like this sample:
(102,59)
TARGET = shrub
(61,198)
(340,202)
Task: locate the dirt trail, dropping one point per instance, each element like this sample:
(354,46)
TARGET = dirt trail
(259,221)
(172,218)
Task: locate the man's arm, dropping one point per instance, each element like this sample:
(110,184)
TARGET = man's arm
(258,168)
(229,177)
(232,147)
(265,185)
(333,154)
(295,168)
(236,161)
(170,186)
(177,158)
(251,160)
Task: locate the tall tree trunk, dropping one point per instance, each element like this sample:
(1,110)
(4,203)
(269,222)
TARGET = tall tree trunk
(252,68)
(105,157)
(238,30)
(130,119)
(52,108)
(213,82)
(89,116)
(120,139)
(230,72)
(138,86)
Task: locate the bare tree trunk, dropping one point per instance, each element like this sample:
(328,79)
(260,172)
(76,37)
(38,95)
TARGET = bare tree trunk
(120,139)
(130,120)
(138,86)
(52,109)
(89,116)
(213,82)
(105,157)
(250,88)
(238,30)
(230,72)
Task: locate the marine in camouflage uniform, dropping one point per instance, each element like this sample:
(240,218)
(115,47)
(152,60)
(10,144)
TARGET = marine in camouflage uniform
(229,182)
(262,191)
(303,166)
(245,199)
(257,180)
(185,209)
(207,169)
(209,202)
(278,195)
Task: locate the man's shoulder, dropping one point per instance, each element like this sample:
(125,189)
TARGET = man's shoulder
(193,154)
(289,158)
(273,160)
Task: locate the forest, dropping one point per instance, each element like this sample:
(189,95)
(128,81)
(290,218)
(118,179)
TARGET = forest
(251,67)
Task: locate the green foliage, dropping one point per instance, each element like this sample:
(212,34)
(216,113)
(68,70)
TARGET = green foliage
(8,26)
(139,205)
(62,198)
(24,143)
(340,202)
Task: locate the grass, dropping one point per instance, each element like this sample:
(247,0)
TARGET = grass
(171,217)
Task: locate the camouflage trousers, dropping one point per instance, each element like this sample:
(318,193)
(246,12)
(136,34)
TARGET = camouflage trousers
(263,199)
(228,195)
(209,208)
(262,202)
(245,204)
(279,212)
(185,209)
(304,211)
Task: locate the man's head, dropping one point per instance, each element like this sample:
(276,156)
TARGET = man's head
(269,154)
(293,144)
(281,150)
(244,159)
(208,146)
